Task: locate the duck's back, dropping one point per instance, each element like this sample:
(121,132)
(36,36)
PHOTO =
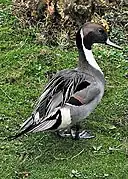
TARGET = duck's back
(61,87)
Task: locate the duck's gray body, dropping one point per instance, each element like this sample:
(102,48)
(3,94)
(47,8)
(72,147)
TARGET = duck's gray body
(72,94)
(86,88)
(77,91)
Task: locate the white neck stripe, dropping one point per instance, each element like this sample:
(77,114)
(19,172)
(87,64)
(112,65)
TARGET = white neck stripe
(89,55)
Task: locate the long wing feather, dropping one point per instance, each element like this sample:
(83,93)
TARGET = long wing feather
(59,90)
(56,94)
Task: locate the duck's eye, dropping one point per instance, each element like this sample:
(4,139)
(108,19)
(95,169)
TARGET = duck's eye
(101,31)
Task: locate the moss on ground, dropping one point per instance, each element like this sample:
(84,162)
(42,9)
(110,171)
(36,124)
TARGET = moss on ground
(25,67)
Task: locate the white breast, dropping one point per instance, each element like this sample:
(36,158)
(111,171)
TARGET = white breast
(66,117)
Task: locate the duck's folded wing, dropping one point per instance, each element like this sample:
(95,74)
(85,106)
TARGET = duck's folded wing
(57,92)
(61,90)
(62,117)
(84,96)
(51,97)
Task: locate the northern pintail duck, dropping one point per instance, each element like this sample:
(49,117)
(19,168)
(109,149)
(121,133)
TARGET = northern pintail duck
(72,94)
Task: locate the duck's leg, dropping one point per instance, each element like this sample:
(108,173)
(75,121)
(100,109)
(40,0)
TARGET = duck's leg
(64,133)
(72,131)
(76,134)
(75,131)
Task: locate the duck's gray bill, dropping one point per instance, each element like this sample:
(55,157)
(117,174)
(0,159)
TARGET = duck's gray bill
(108,42)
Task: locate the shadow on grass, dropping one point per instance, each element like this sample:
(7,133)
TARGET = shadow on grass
(47,147)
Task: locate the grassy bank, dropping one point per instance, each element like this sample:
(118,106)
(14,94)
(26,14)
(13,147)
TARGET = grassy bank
(25,67)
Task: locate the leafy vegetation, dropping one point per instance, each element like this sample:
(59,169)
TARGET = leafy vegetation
(58,20)
(25,67)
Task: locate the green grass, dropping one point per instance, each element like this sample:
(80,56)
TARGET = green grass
(25,67)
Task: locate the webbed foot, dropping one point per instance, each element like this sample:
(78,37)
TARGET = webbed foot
(81,135)
(75,134)
(63,133)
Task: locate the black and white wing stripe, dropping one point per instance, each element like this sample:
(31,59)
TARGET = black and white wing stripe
(50,111)
(59,90)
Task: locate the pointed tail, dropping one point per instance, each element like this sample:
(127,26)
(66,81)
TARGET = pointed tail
(51,123)
(25,128)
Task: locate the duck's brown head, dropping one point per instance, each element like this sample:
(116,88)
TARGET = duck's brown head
(91,33)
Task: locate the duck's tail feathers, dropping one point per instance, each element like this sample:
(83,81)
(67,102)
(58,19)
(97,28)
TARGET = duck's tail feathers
(60,118)
(25,128)
(29,122)
(51,123)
